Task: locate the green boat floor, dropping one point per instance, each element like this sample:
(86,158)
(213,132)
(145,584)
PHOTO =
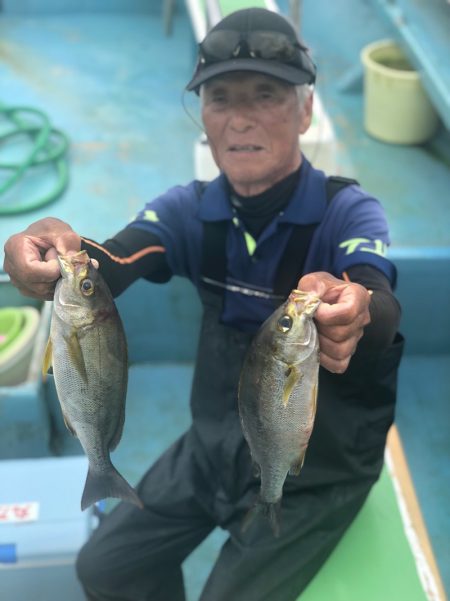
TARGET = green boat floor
(373,561)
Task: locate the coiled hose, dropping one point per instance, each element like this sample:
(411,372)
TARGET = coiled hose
(48,146)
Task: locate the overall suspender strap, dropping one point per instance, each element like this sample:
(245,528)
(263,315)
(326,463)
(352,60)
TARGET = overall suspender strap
(335,183)
(290,268)
(214,256)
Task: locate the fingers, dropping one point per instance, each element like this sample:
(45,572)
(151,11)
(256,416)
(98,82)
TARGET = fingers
(24,262)
(338,343)
(333,365)
(338,353)
(343,338)
(318,282)
(68,243)
(59,243)
(51,255)
(42,291)
(340,317)
(344,305)
(30,256)
(336,357)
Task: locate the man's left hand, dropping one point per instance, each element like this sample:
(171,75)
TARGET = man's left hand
(340,318)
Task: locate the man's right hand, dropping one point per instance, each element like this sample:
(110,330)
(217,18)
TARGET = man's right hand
(30,256)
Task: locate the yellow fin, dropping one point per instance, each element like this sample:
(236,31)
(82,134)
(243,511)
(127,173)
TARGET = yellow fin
(314,398)
(68,424)
(76,354)
(47,360)
(293,377)
(296,467)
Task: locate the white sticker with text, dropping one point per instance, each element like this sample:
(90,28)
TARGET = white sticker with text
(19,512)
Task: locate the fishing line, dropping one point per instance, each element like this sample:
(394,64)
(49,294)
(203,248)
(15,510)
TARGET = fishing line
(189,114)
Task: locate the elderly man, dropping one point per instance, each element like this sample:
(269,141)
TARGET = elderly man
(270,222)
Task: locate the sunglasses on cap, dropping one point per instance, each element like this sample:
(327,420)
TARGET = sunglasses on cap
(225,45)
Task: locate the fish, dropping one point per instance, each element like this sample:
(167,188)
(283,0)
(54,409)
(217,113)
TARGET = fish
(277,399)
(87,351)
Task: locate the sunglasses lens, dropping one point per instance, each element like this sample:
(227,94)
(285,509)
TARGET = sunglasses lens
(271,46)
(225,45)
(219,45)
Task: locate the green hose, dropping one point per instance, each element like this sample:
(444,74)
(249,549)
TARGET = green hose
(48,146)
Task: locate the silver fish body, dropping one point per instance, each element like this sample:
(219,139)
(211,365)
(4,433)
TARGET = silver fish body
(278,396)
(88,351)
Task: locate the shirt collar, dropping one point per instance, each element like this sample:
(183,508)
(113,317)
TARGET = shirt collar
(215,204)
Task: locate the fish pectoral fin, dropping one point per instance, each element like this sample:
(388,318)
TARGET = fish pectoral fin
(47,360)
(68,424)
(256,470)
(76,354)
(293,376)
(297,466)
(314,398)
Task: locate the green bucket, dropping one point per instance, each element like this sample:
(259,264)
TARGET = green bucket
(11,319)
(18,328)
(396,107)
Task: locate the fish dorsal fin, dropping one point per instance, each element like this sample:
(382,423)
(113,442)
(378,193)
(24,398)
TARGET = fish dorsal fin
(47,360)
(75,353)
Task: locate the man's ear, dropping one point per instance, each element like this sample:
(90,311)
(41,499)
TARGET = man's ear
(307,111)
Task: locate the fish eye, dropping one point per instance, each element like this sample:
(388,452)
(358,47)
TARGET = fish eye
(87,287)
(285,323)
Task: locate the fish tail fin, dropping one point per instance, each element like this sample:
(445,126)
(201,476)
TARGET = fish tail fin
(109,484)
(271,511)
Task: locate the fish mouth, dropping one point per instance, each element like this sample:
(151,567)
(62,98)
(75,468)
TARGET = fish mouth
(71,264)
(304,302)
(65,266)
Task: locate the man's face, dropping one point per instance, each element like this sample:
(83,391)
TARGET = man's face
(253,122)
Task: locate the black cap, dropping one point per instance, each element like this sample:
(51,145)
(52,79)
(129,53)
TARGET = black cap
(254,39)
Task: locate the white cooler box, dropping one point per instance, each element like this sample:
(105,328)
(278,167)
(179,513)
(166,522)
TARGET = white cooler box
(42,528)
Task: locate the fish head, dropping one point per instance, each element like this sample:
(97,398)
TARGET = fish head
(295,332)
(81,293)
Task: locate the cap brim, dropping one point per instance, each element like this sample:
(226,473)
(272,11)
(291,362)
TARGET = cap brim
(292,75)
